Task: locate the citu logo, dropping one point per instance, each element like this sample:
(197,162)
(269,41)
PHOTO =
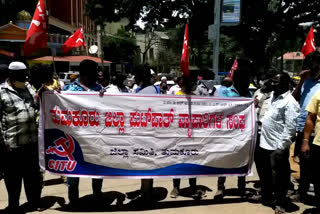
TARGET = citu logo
(64,147)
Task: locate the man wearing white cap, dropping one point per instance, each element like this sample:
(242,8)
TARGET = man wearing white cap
(18,112)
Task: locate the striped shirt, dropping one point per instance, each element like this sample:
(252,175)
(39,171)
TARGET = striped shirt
(18,113)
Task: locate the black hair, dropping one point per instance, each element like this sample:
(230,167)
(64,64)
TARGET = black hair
(189,82)
(120,78)
(143,75)
(179,79)
(285,79)
(42,71)
(105,74)
(315,57)
(88,67)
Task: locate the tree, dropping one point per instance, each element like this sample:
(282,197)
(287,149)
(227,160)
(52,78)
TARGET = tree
(268,28)
(120,47)
(165,60)
(11,8)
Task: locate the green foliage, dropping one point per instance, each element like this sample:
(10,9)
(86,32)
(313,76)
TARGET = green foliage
(271,27)
(120,47)
(101,11)
(165,61)
(24,15)
(12,7)
(268,28)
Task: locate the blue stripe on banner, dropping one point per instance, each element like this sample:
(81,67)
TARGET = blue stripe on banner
(57,161)
(178,169)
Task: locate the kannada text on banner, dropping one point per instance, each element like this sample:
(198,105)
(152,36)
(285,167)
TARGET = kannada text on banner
(139,136)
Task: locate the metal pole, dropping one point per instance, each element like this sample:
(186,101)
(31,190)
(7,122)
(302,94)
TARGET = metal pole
(100,51)
(216,39)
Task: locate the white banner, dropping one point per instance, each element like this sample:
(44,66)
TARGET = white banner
(142,136)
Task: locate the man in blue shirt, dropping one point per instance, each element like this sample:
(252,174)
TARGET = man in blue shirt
(85,82)
(240,88)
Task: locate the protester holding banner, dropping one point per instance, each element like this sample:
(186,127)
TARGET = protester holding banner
(240,88)
(188,86)
(278,129)
(309,84)
(85,82)
(19,131)
(103,78)
(143,78)
(177,87)
(104,81)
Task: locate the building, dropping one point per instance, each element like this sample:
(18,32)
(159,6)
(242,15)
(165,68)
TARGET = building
(64,18)
(151,44)
(11,42)
(64,22)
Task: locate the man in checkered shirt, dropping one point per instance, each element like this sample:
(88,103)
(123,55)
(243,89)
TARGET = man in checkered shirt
(19,132)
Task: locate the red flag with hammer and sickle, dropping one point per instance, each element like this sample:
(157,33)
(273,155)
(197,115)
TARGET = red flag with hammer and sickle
(74,41)
(37,33)
(233,68)
(184,63)
(309,45)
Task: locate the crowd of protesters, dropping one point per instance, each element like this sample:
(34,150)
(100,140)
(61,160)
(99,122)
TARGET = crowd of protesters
(285,115)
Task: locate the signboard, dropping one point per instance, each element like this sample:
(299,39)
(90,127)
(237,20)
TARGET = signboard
(231,12)
(141,136)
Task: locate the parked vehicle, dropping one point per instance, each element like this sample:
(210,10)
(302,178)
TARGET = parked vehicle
(66,77)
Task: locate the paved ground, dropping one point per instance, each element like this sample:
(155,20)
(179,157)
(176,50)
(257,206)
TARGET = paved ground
(55,193)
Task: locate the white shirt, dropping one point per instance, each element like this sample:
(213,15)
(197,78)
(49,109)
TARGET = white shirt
(279,122)
(174,89)
(148,90)
(112,89)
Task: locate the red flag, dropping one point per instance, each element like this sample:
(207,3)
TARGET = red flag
(233,68)
(37,33)
(74,41)
(184,63)
(309,45)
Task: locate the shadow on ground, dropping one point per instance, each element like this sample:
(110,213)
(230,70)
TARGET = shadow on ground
(114,201)
(52,182)
(46,203)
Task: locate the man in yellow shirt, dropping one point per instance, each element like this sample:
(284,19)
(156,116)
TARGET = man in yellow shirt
(313,121)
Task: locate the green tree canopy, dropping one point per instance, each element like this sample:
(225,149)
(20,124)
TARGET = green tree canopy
(120,47)
(268,28)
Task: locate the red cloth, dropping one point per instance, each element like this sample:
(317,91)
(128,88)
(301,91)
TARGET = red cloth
(233,68)
(184,63)
(309,45)
(37,33)
(74,41)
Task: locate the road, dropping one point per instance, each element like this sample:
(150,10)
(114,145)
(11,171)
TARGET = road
(54,195)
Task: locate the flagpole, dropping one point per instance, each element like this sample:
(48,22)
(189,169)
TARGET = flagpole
(54,64)
(216,40)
